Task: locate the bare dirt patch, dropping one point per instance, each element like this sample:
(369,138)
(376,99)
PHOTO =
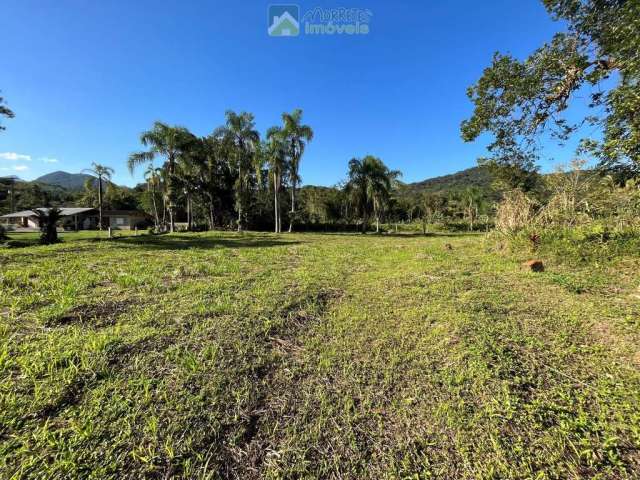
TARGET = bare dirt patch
(94,314)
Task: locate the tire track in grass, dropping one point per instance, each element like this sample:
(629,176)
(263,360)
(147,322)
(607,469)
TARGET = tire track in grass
(248,456)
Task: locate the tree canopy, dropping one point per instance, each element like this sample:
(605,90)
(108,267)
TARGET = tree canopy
(517,101)
(5,112)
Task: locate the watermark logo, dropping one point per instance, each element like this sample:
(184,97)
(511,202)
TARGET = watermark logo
(284,20)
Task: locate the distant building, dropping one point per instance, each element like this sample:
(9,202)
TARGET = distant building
(125,219)
(80,219)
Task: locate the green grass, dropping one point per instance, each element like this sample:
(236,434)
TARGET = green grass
(314,356)
(29,239)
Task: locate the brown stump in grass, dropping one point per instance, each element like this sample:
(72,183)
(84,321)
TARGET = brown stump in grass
(448,246)
(534,265)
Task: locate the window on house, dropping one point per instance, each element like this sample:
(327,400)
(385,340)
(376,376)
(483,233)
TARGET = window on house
(120,221)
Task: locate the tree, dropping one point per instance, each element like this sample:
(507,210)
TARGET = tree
(518,101)
(240,133)
(210,172)
(431,206)
(47,220)
(276,159)
(369,187)
(297,136)
(8,191)
(102,173)
(5,112)
(472,200)
(169,142)
(152,177)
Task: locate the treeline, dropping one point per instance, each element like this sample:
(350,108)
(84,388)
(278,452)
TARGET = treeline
(234,178)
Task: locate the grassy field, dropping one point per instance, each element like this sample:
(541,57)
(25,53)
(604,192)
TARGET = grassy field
(314,356)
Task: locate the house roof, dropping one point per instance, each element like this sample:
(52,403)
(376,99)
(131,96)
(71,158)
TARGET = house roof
(64,212)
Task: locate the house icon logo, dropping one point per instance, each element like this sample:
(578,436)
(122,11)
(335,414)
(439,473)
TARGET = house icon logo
(283,20)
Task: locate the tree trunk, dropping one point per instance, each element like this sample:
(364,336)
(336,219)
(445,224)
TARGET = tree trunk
(189,214)
(293,205)
(155,207)
(240,199)
(276,206)
(172,224)
(211,219)
(377,224)
(100,203)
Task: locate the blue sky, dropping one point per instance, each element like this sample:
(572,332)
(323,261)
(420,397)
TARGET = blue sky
(86,77)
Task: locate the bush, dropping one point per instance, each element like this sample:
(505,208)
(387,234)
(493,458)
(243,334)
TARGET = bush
(3,233)
(586,243)
(515,212)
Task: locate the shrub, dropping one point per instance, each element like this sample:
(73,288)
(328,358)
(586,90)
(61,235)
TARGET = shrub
(515,212)
(48,220)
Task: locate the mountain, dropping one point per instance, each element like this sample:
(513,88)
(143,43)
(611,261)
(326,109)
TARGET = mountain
(69,181)
(471,177)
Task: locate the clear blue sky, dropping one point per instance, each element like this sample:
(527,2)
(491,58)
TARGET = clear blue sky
(86,77)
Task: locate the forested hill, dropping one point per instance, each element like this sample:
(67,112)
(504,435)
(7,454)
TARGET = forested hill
(477,177)
(69,181)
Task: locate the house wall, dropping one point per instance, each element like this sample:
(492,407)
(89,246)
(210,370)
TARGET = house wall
(124,222)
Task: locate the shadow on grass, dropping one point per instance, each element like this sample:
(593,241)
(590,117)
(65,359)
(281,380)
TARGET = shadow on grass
(187,241)
(405,235)
(433,234)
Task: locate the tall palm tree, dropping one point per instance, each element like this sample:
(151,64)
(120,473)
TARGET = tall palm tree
(152,176)
(167,141)
(276,158)
(297,136)
(102,173)
(369,187)
(239,131)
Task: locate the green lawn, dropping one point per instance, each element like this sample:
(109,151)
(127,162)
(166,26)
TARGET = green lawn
(314,356)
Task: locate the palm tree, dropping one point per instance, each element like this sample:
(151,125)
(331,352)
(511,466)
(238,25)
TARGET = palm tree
(276,158)
(297,136)
(166,141)
(369,187)
(152,176)
(240,133)
(47,221)
(102,173)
